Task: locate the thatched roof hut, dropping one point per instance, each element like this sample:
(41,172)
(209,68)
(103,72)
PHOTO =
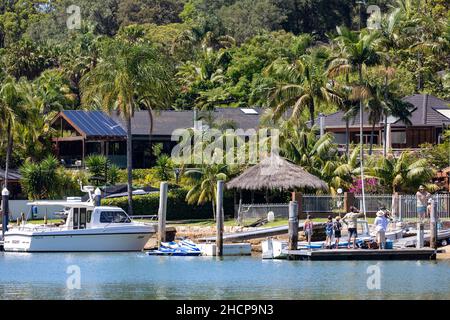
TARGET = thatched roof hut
(276,173)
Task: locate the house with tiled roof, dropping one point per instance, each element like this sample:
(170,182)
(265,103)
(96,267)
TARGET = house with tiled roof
(430,116)
(82,133)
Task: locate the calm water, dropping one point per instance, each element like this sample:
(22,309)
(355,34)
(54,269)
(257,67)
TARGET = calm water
(138,276)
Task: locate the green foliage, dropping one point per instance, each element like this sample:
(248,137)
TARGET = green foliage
(48,180)
(177,208)
(101,169)
(203,183)
(164,167)
(405,173)
(247,18)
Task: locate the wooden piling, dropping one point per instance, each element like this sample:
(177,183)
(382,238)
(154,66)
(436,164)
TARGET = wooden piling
(220,218)
(293,226)
(433,226)
(162,212)
(420,235)
(298,197)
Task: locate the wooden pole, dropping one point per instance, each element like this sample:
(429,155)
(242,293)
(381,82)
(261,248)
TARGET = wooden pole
(298,197)
(220,217)
(420,234)
(433,226)
(162,212)
(293,225)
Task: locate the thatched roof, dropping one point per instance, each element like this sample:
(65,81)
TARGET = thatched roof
(276,173)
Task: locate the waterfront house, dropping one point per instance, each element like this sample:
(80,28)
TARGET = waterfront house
(81,133)
(429,117)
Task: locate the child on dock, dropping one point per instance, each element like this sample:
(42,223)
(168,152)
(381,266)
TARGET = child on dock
(308,228)
(337,231)
(329,228)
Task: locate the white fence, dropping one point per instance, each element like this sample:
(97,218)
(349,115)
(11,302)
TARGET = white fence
(16,207)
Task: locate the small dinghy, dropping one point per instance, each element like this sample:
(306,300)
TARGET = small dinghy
(184,248)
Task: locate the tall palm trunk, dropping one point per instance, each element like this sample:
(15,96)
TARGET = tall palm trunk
(311,111)
(361,141)
(372,134)
(8,153)
(385,115)
(347,137)
(129,165)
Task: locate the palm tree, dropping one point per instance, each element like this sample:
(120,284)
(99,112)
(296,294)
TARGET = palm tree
(301,85)
(131,75)
(356,52)
(204,184)
(12,113)
(347,167)
(404,173)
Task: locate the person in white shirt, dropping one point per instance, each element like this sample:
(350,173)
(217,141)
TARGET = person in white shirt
(381,223)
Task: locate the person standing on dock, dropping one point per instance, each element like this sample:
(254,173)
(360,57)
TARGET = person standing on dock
(351,220)
(308,228)
(329,228)
(422,197)
(337,231)
(381,223)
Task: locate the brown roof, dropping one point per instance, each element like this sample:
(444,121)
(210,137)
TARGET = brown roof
(276,173)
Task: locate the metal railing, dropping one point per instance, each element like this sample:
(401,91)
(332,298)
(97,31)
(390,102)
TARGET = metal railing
(253,212)
(152,218)
(406,206)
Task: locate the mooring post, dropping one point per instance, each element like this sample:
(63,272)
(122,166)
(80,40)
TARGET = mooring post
(433,226)
(293,225)
(98,197)
(420,234)
(162,212)
(298,197)
(220,217)
(5,211)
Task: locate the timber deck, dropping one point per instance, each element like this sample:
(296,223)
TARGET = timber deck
(362,254)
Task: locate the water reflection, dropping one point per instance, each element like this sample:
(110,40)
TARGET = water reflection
(138,276)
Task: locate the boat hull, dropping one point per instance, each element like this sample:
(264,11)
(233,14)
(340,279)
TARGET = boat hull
(110,241)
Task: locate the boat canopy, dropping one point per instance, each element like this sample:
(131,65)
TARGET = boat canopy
(69,204)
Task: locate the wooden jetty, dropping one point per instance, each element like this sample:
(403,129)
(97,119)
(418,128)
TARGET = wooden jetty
(257,234)
(361,254)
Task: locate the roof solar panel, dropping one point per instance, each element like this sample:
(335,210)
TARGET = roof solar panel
(95,123)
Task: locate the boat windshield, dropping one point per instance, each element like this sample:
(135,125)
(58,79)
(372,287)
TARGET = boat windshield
(114,217)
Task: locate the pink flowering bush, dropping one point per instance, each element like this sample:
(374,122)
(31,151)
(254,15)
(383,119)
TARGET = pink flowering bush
(372,185)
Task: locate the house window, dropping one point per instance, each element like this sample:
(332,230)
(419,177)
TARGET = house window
(367,138)
(340,137)
(398,137)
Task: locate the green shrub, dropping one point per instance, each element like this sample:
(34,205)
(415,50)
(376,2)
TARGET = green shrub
(177,207)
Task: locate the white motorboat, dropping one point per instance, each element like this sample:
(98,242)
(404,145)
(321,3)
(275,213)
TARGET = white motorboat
(88,228)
